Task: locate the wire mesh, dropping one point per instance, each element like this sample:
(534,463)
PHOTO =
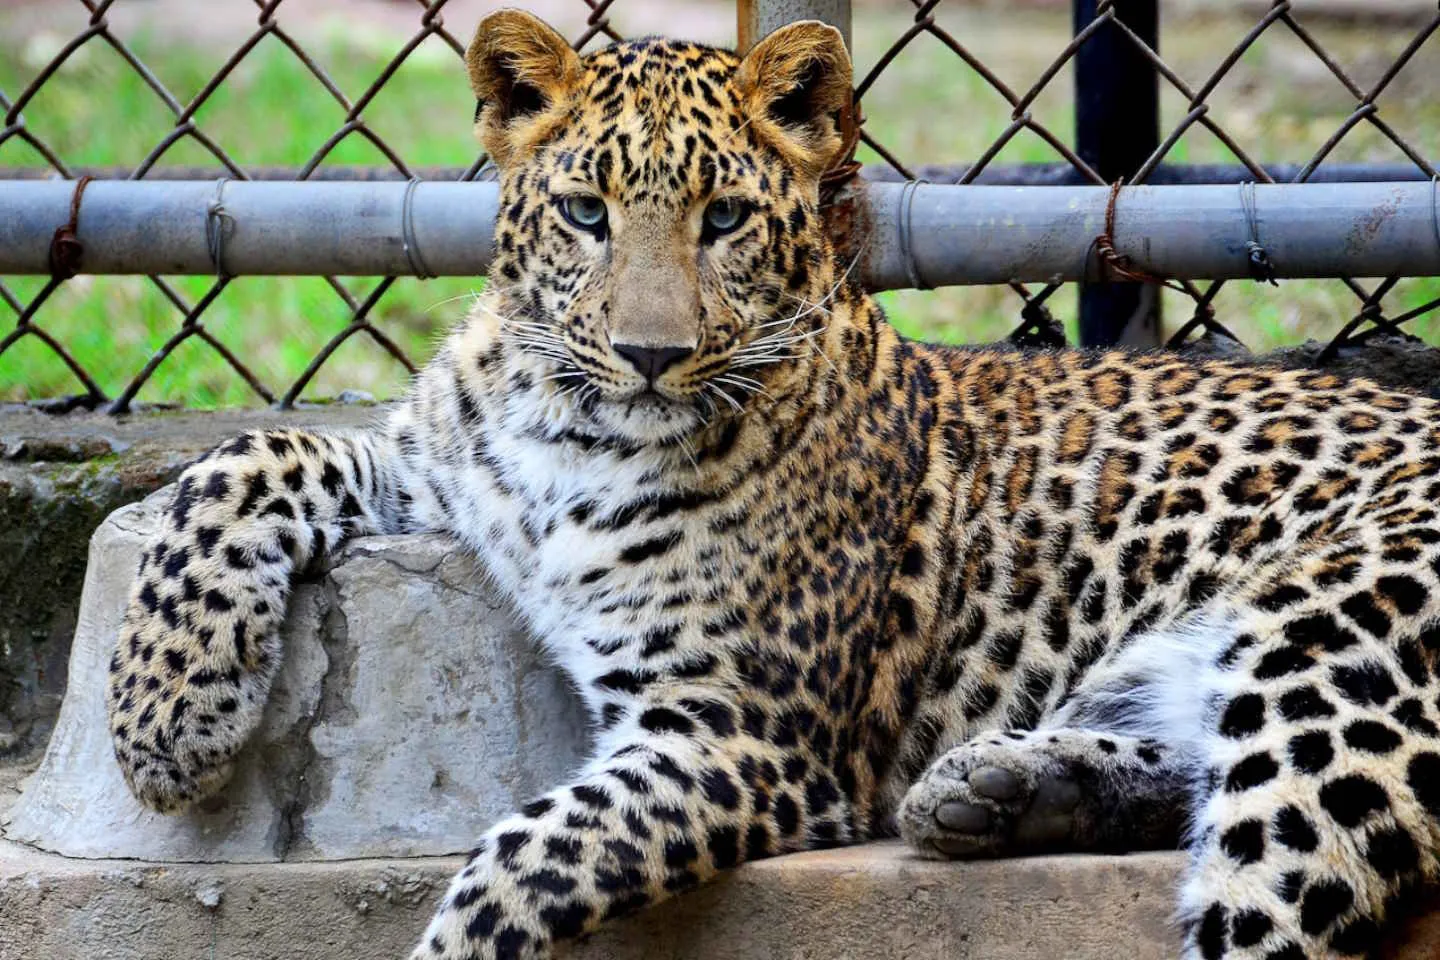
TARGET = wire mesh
(1377,310)
(191,325)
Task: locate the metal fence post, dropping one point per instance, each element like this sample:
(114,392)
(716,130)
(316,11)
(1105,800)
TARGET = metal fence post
(1117,127)
(756,18)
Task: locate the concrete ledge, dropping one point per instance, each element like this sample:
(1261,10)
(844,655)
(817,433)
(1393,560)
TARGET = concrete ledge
(874,902)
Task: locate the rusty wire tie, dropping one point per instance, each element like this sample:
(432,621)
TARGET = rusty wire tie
(1257,261)
(1119,264)
(66,250)
(408,241)
(905,234)
(216,219)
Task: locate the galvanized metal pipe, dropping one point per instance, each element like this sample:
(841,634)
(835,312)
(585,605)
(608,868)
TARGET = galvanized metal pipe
(756,18)
(976,234)
(283,229)
(907,234)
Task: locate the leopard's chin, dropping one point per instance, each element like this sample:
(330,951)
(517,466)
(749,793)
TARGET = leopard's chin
(647,419)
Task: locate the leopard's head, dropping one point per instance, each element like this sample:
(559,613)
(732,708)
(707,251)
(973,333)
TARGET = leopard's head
(659,241)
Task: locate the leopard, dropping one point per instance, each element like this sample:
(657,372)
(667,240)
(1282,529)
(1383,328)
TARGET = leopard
(818,583)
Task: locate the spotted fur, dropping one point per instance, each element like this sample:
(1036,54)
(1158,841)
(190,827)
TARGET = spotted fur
(818,584)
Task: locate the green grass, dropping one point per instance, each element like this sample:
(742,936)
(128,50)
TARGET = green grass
(927,108)
(271,111)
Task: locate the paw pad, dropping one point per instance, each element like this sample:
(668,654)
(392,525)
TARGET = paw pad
(997,783)
(1051,816)
(963,817)
(991,800)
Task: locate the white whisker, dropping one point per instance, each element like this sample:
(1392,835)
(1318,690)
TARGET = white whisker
(471,294)
(689,452)
(735,379)
(711,385)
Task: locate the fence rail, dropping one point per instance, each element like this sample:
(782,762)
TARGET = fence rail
(911,235)
(1170,220)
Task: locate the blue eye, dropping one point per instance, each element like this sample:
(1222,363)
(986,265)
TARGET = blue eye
(724,216)
(585,211)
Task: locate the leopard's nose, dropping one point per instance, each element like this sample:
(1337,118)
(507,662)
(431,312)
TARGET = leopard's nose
(650,362)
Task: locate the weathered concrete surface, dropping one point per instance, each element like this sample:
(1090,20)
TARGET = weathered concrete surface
(873,902)
(409,714)
(1393,361)
(60,476)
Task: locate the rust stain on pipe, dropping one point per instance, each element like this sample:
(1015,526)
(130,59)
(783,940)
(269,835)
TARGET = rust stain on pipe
(847,221)
(1369,226)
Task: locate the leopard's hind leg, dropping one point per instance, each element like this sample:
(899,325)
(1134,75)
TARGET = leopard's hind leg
(1298,736)
(1308,708)
(1113,768)
(1318,809)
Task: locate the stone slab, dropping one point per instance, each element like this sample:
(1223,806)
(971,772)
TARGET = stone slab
(874,902)
(410,713)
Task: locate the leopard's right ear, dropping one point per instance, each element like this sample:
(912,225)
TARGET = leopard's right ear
(796,84)
(524,75)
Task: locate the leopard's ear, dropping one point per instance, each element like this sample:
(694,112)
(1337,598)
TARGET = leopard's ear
(795,83)
(524,76)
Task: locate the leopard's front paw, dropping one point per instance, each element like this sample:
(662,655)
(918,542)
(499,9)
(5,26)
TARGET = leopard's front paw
(166,785)
(991,798)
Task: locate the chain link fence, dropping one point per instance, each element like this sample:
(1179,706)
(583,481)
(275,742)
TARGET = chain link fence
(1038,325)
(1106,26)
(190,315)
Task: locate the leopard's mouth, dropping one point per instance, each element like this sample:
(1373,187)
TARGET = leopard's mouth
(654,413)
(649,416)
(652,399)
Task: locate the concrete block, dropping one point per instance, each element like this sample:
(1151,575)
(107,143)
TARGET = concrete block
(411,712)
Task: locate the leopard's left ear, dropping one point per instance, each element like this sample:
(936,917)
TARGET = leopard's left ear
(524,76)
(795,83)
